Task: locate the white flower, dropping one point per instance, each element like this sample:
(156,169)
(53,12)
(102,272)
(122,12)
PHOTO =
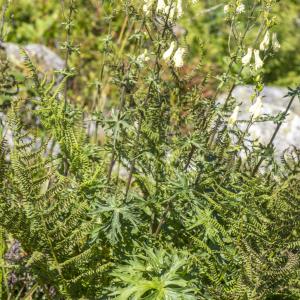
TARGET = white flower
(226,9)
(169,52)
(247,58)
(256,108)
(147,6)
(240,9)
(160,5)
(170,11)
(143,57)
(258,62)
(265,42)
(233,118)
(275,43)
(179,8)
(178,57)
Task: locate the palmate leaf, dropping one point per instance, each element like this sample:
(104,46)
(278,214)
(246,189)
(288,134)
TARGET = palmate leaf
(156,275)
(113,216)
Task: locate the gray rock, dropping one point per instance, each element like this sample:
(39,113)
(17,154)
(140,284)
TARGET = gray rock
(274,102)
(46,59)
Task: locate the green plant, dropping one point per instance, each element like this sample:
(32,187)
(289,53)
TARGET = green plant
(155,275)
(178,202)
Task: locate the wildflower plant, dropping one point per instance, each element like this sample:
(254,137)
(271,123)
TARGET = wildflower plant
(177,201)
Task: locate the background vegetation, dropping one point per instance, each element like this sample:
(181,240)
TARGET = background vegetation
(122,177)
(201,28)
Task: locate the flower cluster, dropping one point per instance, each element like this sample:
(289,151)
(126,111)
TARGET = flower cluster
(255,111)
(178,56)
(238,9)
(247,58)
(168,7)
(264,46)
(266,42)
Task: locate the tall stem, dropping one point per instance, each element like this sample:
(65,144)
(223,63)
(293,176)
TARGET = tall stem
(218,122)
(68,47)
(274,135)
(157,72)
(2,21)
(113,160)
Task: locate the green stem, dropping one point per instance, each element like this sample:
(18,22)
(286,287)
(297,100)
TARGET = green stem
(274,135)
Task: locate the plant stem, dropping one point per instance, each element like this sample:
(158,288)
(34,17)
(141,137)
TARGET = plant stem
(218,122)
(156,71)
(2,21)
(274,135)
(112,162)
(68,47)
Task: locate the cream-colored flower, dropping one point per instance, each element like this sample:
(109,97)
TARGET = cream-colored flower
(258,62)
(240,9)
(143,57)
(247,58)
(275,43)
(226,9)
(178,58)
(170,10)
(264,45)
(161,6)
(233,118)
(147,6)
(179,8)
(169,52)
(255,108)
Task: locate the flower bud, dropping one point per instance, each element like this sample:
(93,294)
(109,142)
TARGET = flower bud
(169,52)
(233,118)
(255,109)
(247,58)
(258,62)
(178,57)
(265,42)
(275,43)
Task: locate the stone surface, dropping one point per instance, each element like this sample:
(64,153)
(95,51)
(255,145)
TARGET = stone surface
(274,102)
(46,59)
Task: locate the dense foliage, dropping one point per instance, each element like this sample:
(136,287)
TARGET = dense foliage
(168,196)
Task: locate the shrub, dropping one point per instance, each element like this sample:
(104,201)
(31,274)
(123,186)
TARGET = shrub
(178,201)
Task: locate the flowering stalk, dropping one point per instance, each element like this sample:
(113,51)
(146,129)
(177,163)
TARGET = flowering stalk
(157,68)
(258,65)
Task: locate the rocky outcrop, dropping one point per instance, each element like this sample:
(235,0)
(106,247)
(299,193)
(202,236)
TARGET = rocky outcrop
(274,102)
(46,59)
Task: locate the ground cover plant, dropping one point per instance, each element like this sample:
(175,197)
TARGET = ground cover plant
(168,196)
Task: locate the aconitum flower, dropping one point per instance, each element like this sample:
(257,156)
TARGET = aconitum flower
(233,118)
(161,6)
(265,42)
(170,11)
(255,109)
(258,62)
(179,8)
(226,9)
(247,58)
(147,6)
(275,43)
(178,58)
(143,57)
(240,9)
(169,52)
